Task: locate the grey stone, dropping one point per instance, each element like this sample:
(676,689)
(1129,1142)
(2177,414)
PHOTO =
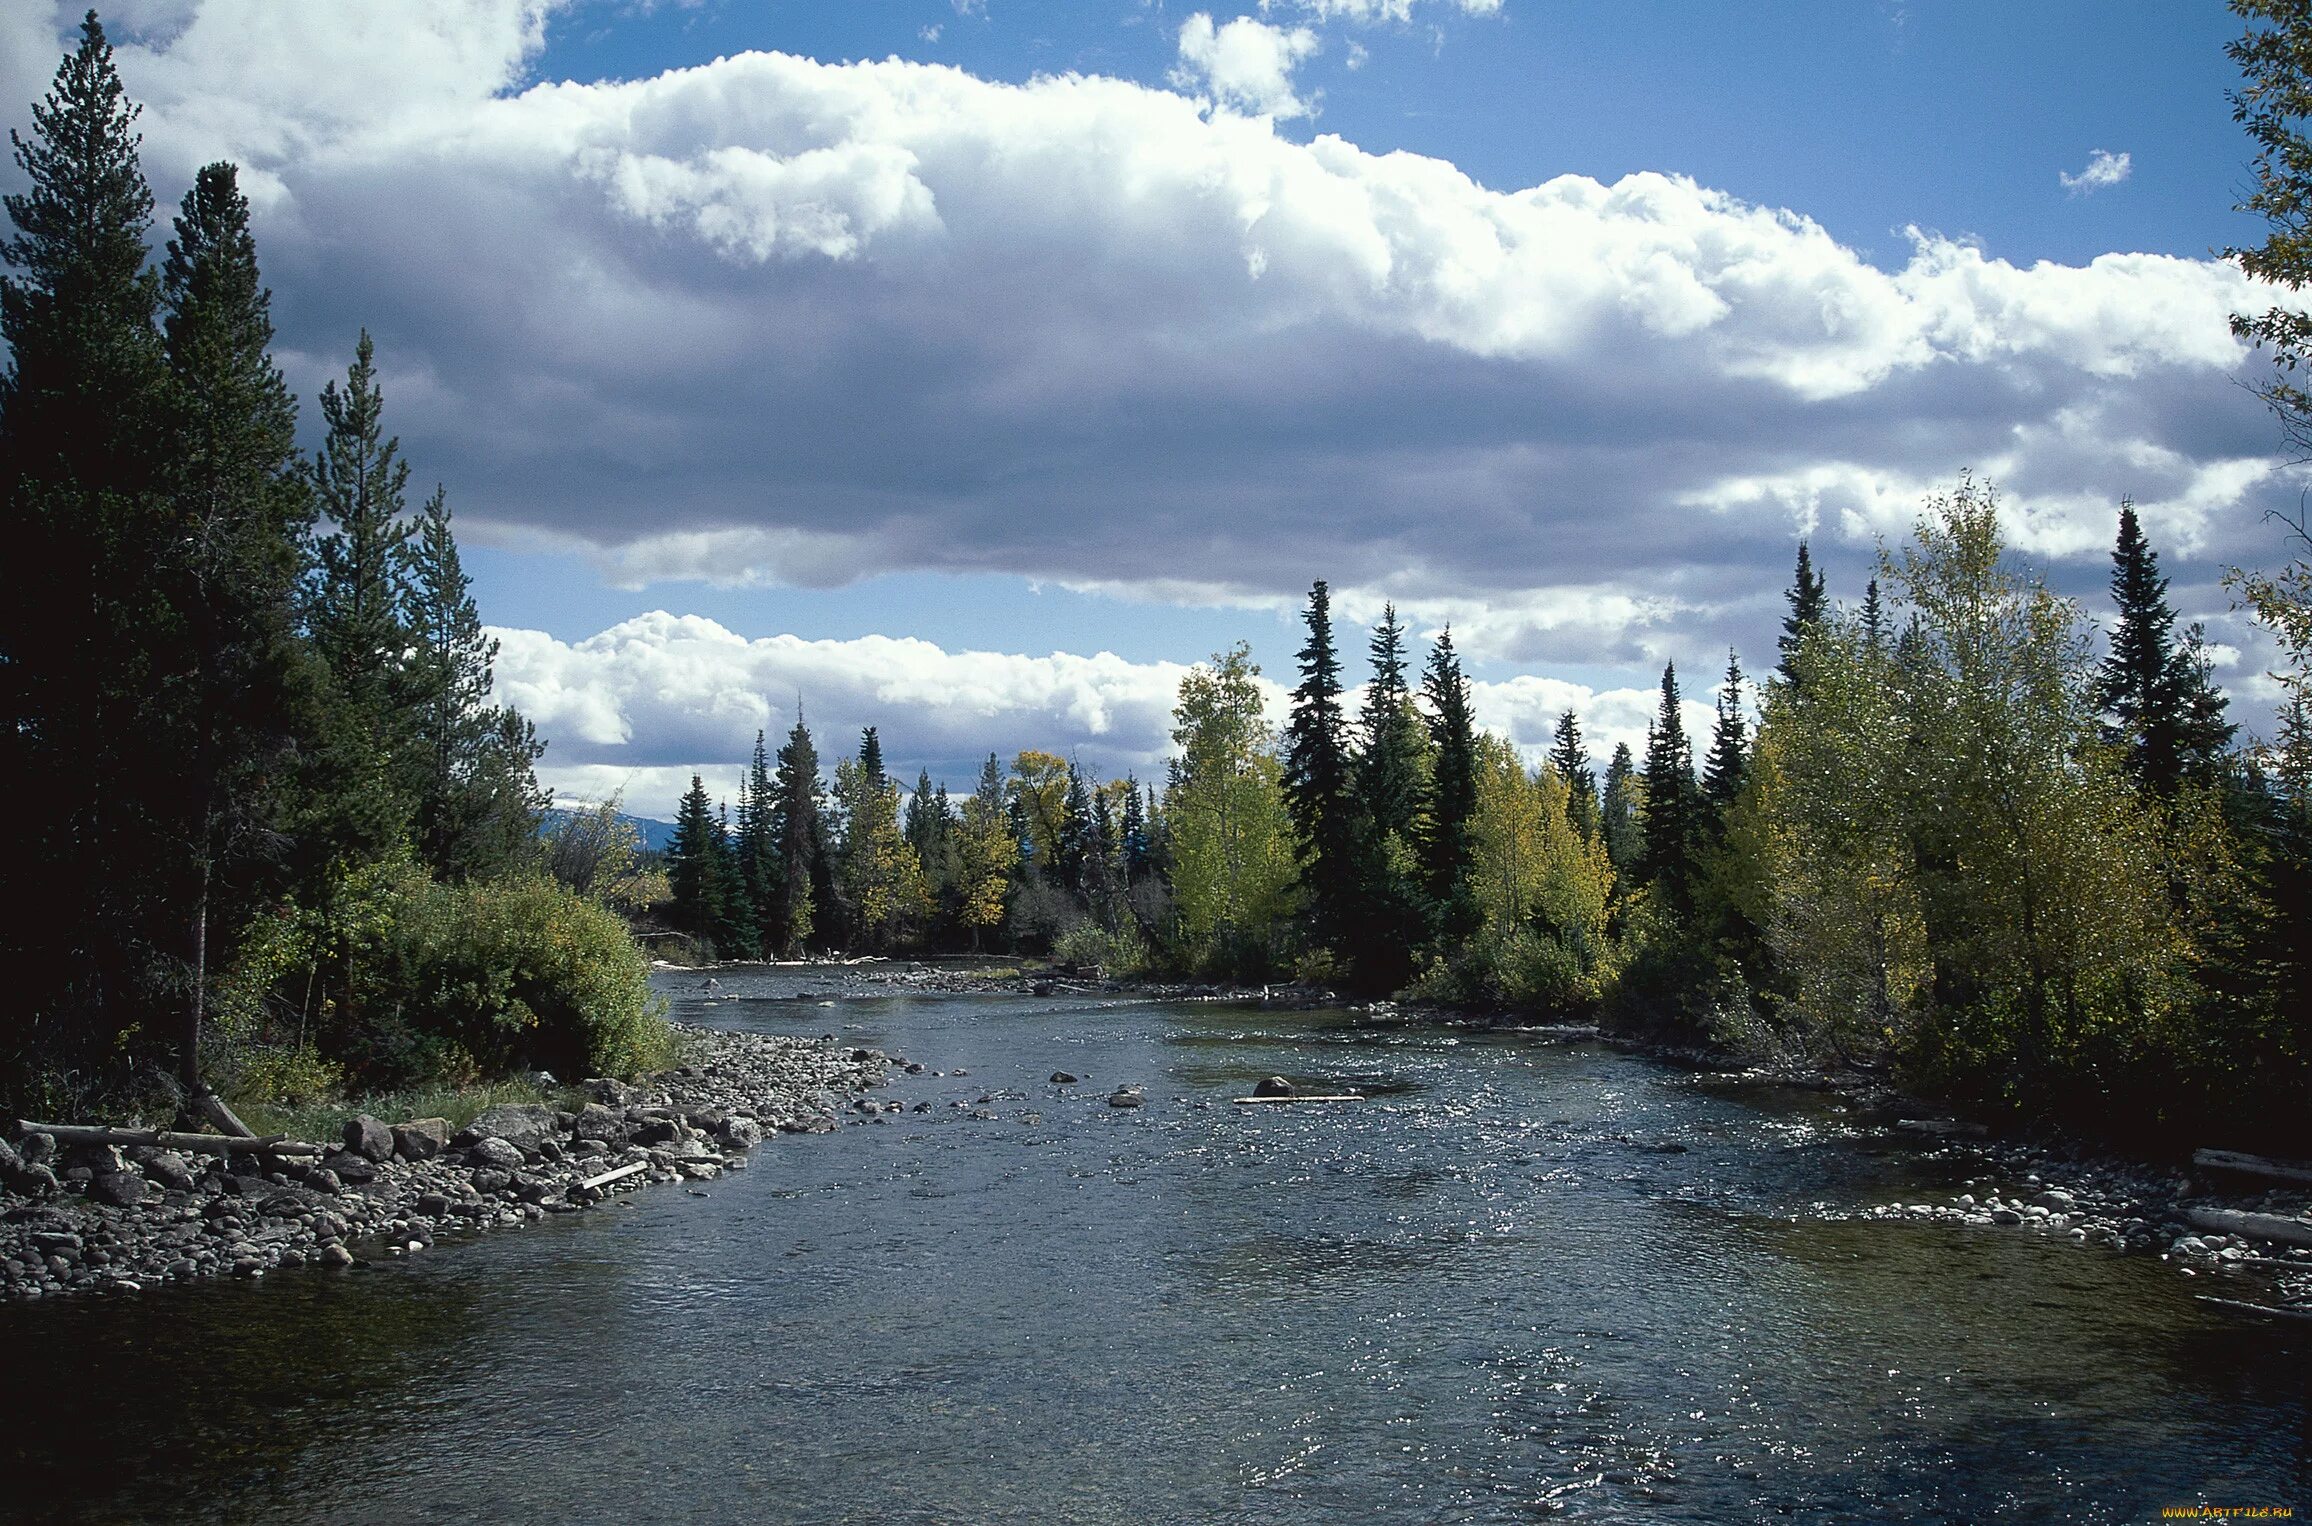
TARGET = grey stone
(594,1121)
(37,1148)
(1062,1078)
(352,1170)
(421,1138)
(2005,1216)
(170,1171)
(1128,1096)
(524,1125)
(433,1204)
(487,1180)
(741,1133)
(117,1189)
(368,1138)
(335,1256)
(1276,1086)
(494,1154)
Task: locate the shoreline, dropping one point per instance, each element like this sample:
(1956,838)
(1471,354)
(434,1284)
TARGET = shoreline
(87,1219)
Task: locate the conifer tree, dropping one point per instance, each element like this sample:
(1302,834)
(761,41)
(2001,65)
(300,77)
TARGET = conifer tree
(240,695)
(1317,782)
(1452,792)
(1571,760)
(1808,604)
(2155,691)
(81,457)
(695,868)
(758,847)
(794,827)
(1672,801)
(1618,812)
(362,774)
(1390,780)
(1874,619)
(477,796)
(1729,761)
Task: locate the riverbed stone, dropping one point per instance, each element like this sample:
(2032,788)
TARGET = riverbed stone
(169,1170)
(521,1124)
(117,1189)
(1276,1086)
(1063,1078)
(600,1123)
(352,1169)
(368,1138)
(494,1154)
(421,1138)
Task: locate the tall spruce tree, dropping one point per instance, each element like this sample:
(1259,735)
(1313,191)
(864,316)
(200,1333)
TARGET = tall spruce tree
(1317,783)
(363,775)
(795,827)
(2155,691)
(83,624)
(1571,760)
(1729,761)
(1390,779)
(477,799)
(1618,812)
(1448,851)
(1672,802)
(1809,602)
(240,695)
(695,868)
(758,847)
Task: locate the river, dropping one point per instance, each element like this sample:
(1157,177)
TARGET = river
(1490,1293)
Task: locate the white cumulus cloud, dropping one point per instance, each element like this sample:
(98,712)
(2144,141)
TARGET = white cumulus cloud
(2103,169)
(1246,64)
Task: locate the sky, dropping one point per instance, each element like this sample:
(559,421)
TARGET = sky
(969,368)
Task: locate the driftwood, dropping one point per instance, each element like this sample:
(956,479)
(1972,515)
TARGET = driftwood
(2256,1226)
(1942,1128)
(2253,1165)
(203,1144)
(2246,1307)
(592,1183)
(1301,1097)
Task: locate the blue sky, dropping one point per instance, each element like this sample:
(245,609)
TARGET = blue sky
(969,369)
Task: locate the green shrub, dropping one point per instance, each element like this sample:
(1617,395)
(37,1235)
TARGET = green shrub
(457,983)
(1117,954)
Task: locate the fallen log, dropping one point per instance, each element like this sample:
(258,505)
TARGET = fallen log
(2246,1307)
(2253,1165)
(166,1139)
(1301,1097)
(2256,1226)
(595,1183)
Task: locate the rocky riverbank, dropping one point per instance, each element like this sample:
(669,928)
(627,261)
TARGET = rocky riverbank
(98,1218)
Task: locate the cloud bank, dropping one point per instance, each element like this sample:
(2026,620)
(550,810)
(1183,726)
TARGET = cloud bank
(773,320)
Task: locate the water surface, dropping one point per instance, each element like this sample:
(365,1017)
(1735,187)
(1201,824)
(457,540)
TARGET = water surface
(1491,1293)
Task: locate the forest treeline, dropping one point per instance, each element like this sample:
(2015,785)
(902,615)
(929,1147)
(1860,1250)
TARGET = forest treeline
(1949,840)
(271,835)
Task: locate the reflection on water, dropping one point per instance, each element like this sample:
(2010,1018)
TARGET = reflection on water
(1525,1279)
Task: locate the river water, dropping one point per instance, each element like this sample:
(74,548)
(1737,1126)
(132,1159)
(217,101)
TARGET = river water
(1487,1294)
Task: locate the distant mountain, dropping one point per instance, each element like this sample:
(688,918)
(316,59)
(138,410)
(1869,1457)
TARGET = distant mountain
(656,835)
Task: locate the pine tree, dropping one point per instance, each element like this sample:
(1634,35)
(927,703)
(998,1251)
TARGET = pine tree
(239,698)
(1391,777)
(2160,700)
(1452,801)
(1571,760)
(477,797)
(695,867)
(735,929)
(1672,802)
(1729,761)
(1808,604)
(1874,619)
(791,916)
(1317,783)
(1618,812)
(364,773)
(83,402)
(758,847)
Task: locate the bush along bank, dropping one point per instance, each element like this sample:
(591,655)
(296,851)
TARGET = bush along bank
(98,1218)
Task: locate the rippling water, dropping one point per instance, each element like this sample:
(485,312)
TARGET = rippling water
(1489,1294)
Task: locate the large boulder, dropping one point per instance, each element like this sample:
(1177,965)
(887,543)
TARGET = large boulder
(421,1138)
(368,1138)
(117,1189)
(1276,1086)
(597,1122)
(169,1169)
(524,1125)
(495,1154)
(351,1170)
